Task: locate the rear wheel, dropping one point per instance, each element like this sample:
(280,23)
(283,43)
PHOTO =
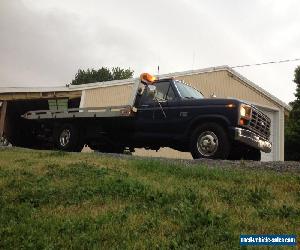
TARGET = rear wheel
(4,142)
(210,141)
(67,138)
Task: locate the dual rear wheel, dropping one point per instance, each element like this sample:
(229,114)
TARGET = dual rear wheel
(68,138)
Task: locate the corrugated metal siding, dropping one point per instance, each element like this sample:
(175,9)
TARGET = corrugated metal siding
(224,84)
(108,96)
(281,134)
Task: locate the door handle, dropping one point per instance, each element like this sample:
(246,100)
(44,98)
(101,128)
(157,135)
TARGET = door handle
(183,114)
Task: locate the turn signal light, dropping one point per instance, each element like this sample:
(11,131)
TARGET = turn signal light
(147,78)
(242,121)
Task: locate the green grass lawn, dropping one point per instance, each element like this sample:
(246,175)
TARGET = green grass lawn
(59,200)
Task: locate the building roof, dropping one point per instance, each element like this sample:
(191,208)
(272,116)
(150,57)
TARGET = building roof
(25,89)
(67,88)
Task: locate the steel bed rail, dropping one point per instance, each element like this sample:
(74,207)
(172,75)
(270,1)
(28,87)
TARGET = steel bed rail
(113,111)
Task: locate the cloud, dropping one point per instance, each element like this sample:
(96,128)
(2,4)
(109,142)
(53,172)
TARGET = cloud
(45,42)
(35,46)
(48,46)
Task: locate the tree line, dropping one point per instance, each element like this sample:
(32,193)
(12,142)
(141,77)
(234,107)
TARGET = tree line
(101,75)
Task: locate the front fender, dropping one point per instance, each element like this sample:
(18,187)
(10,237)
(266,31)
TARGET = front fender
(201,119)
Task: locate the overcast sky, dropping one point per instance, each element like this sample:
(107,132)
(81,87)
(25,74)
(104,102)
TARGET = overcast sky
(45,42)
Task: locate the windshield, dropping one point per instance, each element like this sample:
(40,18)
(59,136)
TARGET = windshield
(188,92)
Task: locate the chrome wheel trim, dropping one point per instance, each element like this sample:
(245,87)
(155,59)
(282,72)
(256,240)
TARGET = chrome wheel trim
(64,137)
(207,143)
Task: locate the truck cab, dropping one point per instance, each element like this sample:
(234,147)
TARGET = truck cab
(173,114)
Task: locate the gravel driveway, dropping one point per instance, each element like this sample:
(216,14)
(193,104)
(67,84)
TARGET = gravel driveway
(278,166)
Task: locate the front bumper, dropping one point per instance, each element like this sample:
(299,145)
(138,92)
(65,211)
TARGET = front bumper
(252,139)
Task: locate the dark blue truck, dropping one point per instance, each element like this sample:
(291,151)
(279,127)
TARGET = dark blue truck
(165,113)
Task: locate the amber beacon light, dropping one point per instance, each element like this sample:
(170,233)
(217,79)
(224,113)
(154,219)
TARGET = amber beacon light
(147,78)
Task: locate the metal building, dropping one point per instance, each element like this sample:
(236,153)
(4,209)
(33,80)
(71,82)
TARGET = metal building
(221,81)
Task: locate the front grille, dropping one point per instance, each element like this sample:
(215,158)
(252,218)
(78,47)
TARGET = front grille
(260,123)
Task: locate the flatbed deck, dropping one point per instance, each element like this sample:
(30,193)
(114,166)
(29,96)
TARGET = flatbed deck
(113,111)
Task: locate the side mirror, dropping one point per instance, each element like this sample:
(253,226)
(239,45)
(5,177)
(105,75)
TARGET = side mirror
(152,90)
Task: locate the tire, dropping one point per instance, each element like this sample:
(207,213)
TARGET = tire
(3,142)
(211,141)
(67,138)
(253,154)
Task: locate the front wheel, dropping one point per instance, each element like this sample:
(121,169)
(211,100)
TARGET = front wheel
(67,138)
(210,141)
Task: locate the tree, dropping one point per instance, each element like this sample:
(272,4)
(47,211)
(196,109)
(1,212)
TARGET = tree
(292,128)
(101,75)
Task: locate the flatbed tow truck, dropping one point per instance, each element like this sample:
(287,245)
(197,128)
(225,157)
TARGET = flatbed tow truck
(160,113)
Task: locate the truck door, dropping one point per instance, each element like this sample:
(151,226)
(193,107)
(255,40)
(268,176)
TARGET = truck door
(165,113)
(155,117)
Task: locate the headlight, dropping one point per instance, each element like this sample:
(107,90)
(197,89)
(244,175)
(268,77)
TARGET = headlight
(245,113)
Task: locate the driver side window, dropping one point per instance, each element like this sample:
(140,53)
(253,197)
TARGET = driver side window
(164,91)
